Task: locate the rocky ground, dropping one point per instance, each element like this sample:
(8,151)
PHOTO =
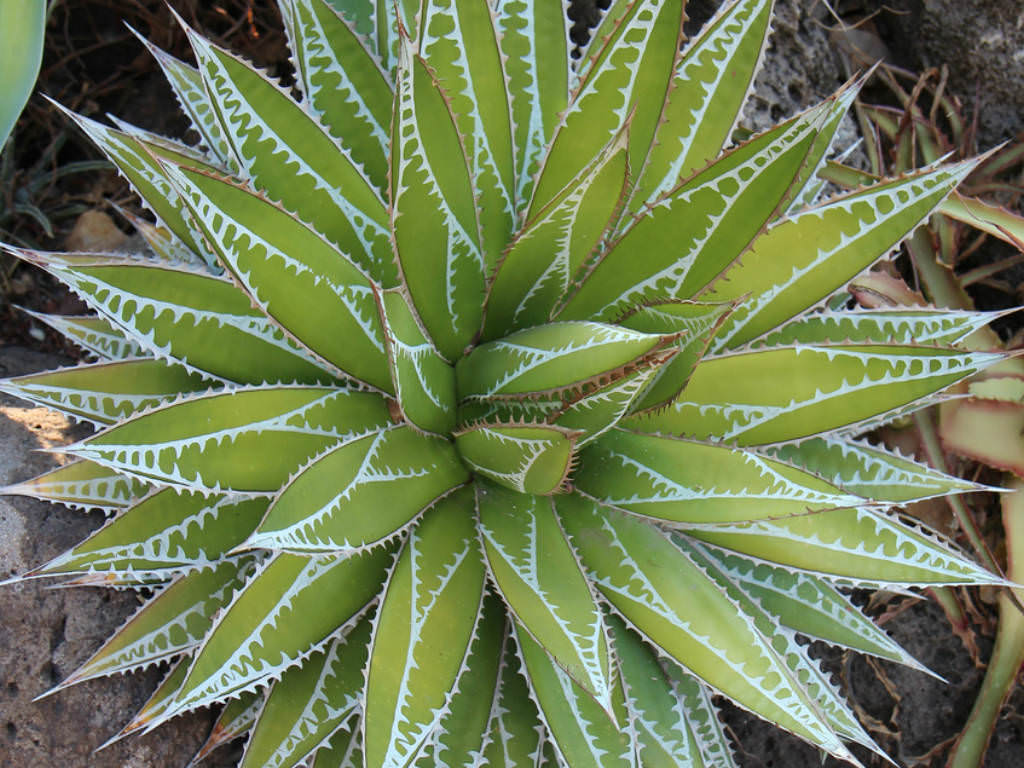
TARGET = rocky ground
(46,633)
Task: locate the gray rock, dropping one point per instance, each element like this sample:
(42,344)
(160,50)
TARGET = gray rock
(47,633)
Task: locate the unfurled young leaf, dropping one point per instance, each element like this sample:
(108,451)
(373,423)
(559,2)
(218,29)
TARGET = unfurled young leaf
(479,406)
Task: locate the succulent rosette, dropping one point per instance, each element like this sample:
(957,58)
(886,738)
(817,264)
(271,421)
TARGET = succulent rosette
(476,405)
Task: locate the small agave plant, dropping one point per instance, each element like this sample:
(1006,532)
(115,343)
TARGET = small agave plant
(480,406)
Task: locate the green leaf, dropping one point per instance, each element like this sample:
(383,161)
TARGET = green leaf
(345,749)
(288,155)
(106,393)
(697,322)
(287,610)
(552,357)
(361,492)
(702,716)
(143,171)
(22,26)
(219,442)
(423,383)
(188,87)
(871,471)
(310,702)
(203,322)
(583,732)
(173,622)
(528,458)
(675,605)
(809,605)
(154,711)
(458,40)
(787,393)
(664,735)
(688,482)
(805,258)
(595,413)
(342,81)
(908,325)
(546,255)
(463,734)
(708,89)
(166,532)
(513,736)
(538,576)
(93,334)
(806,673)
(285,267)
(534,41)
(422,637)
(433,210)
(82,484)
(235,720)
(862,546)
(692,234)
(628,81)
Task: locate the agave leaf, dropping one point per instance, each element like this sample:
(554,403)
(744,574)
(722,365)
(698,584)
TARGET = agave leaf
(163,243)
(595,413)
(688,482)
(675,605)
(342,81)
(164,533)
(544,257)
(692,234)
(708,89)
(534,41)
(235,720)
(862,545)
(360,492)
(173,622)
(155,709)
(433,210)
(201,321)
(697,322)
(528,458)
(345,749)
(537,573)
(809,605)
(218,442)
(807,257)
(142,170)
(82,484)
(788,393)
(870,471)
(702,716)
(513,738)
(93,334)
(188,88)
(462,735)
(582,731)
(286,267)
(106,393)
(551,357)
(663,733)
(310,702)
(289,609)
(459,41)
(636,58)
(423,633)
(1006,388)
(894,326)
(423,383)
(288,155)
(809,676)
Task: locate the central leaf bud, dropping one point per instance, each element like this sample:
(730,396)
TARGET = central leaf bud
(529,402)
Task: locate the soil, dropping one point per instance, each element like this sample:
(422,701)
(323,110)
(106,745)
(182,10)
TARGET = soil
(94,66)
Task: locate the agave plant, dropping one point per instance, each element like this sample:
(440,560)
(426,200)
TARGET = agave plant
(482,406)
